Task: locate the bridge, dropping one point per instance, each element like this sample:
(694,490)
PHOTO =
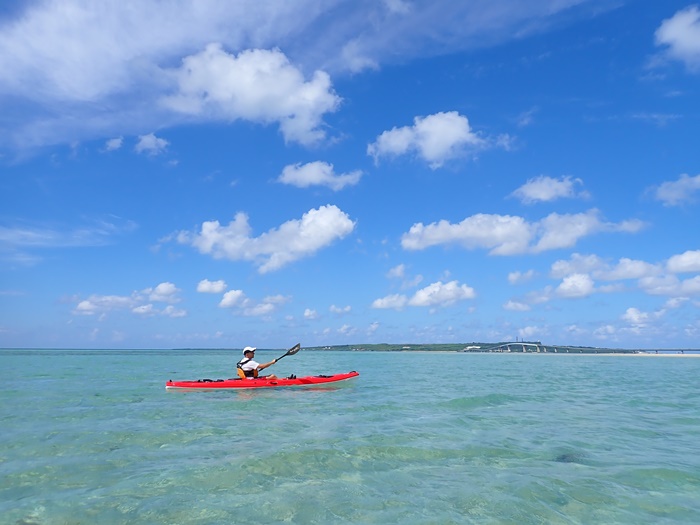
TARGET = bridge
(536,347)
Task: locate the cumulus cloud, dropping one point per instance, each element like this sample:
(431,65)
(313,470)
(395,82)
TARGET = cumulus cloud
(516,306)
(435,139)
(164,292)
(233,298)
(207,286)
(546,189)
(293,240)
(257,85)
(679,192)
(436,294)
(151,145)
(69,63)
(394,301)
(671,285)
(636,317)
(340,310)
(439,294)
(686,262)
(576,285)
(578,276)
(511,235)
(241,304)
(579,271)
(114,144)
(680,37)
(518,277)
(397,272)
(626,268)
(318,174)
(139,302)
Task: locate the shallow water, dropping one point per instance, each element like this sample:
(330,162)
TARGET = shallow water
(93,437)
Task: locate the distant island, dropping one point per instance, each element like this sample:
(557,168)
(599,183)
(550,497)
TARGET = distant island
(499,347)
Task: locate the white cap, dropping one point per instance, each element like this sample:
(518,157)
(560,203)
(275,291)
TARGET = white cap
(249,349)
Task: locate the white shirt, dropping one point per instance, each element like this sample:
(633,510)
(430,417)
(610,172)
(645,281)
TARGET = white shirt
(249,365)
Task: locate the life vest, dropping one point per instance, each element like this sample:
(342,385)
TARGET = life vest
(243,374)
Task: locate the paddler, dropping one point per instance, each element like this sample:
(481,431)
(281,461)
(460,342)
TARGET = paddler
(248,367)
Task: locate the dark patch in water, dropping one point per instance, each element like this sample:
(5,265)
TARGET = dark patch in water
(571,457)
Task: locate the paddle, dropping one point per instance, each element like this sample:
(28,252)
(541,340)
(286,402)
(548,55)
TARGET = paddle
(293,350)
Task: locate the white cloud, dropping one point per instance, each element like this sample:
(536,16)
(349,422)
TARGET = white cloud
(526,118)
(207,286)
(530,332)
(293,240)
(628,269)
(635,316)
(317,174)
(340,310)
(397,272)
(171,311)
(145,310)
(518,277)
(257,85)
(600,269)
(435,294)
(510,235)
(233,298)
(114,144)
(347,330)
(680,36)
(545,189)
(671,286)
(576,285)
(577,263)
(502,234)
(310,314)
(439,294)
(517,306)
(679,192)
(436,139)
(102,303)
(164,292)
(70,64)
(151,144)
(17,241)
(243,305)
(686,262)
(394,301)
(139,302)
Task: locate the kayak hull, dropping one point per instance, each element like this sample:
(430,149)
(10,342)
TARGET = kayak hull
(237,383)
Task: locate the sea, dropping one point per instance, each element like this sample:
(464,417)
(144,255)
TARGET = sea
(93,437)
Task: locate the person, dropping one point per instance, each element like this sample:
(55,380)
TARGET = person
(248,367)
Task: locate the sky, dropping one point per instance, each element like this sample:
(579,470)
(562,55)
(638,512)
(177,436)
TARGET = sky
(205,174)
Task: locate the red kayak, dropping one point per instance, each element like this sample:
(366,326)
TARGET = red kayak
(225,384)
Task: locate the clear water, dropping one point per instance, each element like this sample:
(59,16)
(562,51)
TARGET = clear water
(92,437)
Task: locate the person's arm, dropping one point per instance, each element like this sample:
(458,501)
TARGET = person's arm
(263,367)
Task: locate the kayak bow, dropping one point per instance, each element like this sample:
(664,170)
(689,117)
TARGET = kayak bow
(225,384)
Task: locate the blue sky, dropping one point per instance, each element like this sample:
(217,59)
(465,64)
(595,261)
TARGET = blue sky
(222,174)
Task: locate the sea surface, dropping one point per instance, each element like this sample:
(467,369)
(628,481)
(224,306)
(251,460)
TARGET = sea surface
(92,437)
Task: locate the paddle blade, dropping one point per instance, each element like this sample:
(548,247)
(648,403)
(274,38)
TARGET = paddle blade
(293,350)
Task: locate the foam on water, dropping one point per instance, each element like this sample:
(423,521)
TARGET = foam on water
(93,437)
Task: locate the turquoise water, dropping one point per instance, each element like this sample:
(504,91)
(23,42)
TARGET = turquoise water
(92,437)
